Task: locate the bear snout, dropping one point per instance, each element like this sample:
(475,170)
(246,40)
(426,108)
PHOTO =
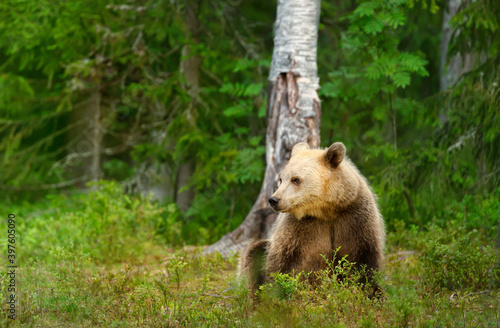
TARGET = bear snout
(273,201)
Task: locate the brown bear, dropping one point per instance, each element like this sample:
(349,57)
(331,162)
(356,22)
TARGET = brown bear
(324,203)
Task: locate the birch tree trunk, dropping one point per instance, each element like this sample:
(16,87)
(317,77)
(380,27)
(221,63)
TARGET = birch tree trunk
(293,111)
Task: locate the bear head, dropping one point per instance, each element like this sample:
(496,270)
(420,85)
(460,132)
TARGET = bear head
(316,182)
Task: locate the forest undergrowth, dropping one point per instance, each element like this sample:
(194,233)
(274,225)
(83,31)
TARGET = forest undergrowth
(102,259)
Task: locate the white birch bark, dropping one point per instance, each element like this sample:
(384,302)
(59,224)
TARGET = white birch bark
(293,110)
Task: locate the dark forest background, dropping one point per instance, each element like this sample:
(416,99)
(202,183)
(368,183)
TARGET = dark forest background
(168,98)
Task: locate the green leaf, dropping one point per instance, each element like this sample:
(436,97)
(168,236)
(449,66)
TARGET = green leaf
(401,79)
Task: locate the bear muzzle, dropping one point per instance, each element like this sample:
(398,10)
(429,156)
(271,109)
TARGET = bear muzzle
(273,201)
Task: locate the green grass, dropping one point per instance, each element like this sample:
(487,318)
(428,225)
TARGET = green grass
(184,289)
(102,260)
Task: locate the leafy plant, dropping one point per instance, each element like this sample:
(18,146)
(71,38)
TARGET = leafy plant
(287,284)
(453,258)
(106,223)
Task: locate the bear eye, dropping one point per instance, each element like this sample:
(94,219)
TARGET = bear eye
(296,181)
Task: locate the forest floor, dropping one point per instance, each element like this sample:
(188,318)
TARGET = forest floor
(185,289)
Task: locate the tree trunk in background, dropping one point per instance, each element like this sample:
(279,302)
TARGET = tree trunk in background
(293,111)
(190,70)
(167,182)
(97,134)
(458,64)
(184,198)
(86,142)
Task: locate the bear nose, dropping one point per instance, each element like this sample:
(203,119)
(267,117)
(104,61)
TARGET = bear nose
(273,201)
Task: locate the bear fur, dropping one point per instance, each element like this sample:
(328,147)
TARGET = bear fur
(324,203)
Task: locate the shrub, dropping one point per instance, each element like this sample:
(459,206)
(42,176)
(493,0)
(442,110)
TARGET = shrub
(106,223)
(286,284)
(453,258)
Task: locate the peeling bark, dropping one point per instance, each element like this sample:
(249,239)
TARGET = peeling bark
(293,111)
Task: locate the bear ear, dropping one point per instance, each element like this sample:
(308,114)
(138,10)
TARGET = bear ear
(335,154)
(299,147)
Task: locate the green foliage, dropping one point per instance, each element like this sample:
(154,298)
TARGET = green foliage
(131,54)
(373,65)
(67,285)
(176,267)
(394,130)
(222,202)
(170,227)
(286,284)
(454,258)
(432,158)
(117,169)
(378,63)
(106,223)
(153,122)
(479,26)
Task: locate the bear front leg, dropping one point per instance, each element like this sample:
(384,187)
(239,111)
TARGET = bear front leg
(252,263)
